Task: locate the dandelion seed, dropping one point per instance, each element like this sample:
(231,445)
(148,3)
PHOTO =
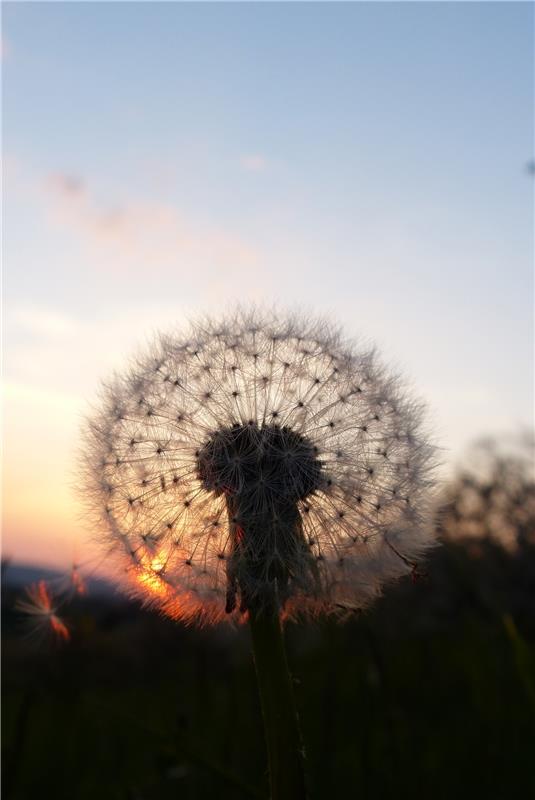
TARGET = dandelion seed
(76,581)
(41,611)
(290,437)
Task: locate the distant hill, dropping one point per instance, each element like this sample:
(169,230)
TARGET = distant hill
(18,576)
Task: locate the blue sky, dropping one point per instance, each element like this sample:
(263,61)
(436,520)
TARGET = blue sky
(365,161)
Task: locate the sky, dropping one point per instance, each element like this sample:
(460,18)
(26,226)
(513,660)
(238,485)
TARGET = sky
(364,162)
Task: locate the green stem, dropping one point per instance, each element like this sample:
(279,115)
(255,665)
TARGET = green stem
(283,738)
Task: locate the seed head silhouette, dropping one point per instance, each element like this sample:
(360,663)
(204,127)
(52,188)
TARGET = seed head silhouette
(254,455)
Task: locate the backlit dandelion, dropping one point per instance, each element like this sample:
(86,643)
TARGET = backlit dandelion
(254,467)
(42,612)
(258,451)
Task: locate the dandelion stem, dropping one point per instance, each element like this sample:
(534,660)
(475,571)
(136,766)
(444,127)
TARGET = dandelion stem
(283,737)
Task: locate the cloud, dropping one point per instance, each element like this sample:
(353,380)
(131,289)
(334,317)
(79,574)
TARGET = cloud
(137,234)
(254,162)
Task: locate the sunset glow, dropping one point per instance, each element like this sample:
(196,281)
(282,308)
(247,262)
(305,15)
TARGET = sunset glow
(224,163)
(151,583)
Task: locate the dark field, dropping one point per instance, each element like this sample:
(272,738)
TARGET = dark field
(429,694)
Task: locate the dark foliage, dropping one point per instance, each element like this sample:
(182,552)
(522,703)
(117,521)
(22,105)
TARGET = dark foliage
(429,694)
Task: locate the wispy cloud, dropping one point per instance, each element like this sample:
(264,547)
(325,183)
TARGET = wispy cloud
(136,233)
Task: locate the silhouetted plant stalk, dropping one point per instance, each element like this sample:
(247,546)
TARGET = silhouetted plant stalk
(280,523)
(281,724)
(257,467)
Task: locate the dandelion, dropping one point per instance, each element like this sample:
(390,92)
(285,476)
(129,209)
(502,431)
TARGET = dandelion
(256,452)
(41,611)
(259,467)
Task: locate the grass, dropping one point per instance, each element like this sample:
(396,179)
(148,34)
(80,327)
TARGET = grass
(427,694)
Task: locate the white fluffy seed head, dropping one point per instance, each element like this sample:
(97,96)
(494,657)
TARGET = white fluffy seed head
(256,454)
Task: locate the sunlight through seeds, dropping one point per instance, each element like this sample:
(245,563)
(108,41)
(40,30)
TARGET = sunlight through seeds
(255,452)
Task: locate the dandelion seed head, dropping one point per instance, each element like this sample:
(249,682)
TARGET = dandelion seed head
(255,453)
